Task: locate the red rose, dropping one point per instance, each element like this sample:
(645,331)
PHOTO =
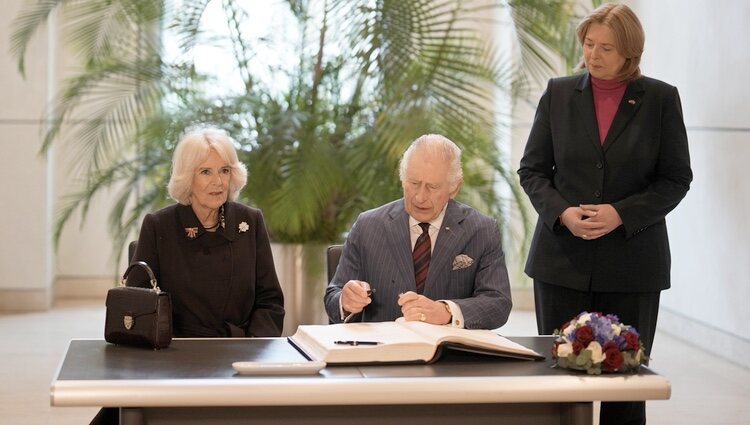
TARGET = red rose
(631,341)
(584,335)
(577,347)
(613,356)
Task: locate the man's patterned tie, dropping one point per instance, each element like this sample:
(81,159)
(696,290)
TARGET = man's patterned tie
(421,257)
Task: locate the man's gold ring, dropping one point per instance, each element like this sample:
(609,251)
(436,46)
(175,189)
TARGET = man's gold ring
(585,236)
(422,317)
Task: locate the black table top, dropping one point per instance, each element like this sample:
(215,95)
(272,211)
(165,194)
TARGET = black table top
(213,358)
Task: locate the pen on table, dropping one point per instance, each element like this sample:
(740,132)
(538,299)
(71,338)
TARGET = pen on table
(356,342)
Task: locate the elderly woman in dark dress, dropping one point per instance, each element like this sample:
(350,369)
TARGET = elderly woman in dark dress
(212,255)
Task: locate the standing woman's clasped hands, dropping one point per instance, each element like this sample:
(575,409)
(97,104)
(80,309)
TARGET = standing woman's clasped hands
(591,221)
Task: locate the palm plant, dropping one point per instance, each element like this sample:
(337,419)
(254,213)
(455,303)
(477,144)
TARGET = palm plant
(322,136)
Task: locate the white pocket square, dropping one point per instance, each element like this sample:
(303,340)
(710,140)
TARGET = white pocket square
(462,261)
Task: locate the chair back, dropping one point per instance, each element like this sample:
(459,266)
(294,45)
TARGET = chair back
(333,255)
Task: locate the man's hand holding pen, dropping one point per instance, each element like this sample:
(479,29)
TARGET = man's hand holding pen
(355,296)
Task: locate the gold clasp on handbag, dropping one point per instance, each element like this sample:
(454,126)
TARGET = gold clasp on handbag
(128,321)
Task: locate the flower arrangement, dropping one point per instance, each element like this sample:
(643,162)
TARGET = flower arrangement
(598,343)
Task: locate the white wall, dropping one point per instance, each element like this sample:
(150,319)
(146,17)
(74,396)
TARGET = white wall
(25,254)
(704,53)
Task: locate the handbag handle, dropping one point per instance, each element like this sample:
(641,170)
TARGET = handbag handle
(143,264)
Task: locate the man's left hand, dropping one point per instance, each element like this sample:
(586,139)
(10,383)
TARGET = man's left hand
(415,307)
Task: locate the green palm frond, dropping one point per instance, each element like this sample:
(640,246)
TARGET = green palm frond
(25,26)
(110,101)
(187,24)
(102,29)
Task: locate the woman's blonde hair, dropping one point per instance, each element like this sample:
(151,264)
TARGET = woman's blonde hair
(628,32)
(192,151)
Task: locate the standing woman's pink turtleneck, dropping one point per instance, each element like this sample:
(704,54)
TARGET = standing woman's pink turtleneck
(607,97)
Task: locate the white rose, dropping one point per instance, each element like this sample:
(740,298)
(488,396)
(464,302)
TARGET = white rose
(597,355)
(584,318)
(571,327)
(563,350)
(616,329)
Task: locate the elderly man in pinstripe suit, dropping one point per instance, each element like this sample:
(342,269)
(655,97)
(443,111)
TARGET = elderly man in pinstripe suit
(424,257)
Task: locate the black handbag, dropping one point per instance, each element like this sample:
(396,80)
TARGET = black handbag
(138,316)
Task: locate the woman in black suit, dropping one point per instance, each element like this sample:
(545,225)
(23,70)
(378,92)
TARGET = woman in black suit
(606,160)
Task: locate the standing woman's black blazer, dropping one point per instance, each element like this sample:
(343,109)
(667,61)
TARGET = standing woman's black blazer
(642,169)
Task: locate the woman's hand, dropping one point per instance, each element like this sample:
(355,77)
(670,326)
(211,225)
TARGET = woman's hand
(591,221)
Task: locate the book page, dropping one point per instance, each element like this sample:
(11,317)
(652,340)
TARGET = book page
(392,343)
(479,338)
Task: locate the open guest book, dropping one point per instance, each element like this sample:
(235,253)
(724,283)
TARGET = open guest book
(399,342)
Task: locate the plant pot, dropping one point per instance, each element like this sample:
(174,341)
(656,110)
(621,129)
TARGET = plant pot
(302,274)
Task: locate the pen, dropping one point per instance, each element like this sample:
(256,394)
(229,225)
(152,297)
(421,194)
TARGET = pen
(356,342)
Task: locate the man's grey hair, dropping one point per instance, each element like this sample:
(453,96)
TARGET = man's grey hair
(438,146)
